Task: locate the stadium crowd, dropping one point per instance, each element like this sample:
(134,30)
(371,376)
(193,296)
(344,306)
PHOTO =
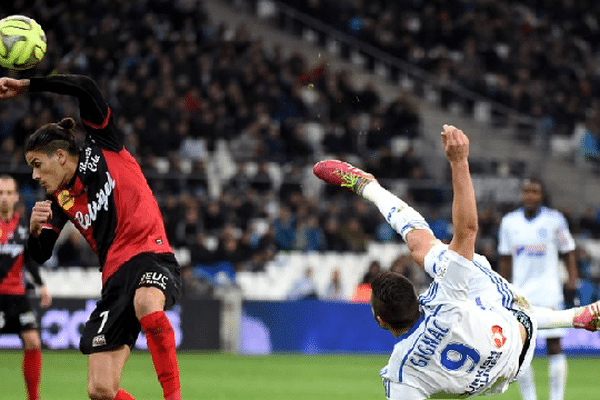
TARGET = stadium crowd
(538,57)
(209,112)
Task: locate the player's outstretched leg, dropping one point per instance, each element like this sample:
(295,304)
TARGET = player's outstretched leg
(588,318)
(404,219)
(397,213)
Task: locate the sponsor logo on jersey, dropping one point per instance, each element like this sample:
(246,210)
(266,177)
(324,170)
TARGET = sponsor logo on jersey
(101,203)
(497,336)
(99,340)
(90,162)
(534,250)
(482,377)
(65,200)
(155,279)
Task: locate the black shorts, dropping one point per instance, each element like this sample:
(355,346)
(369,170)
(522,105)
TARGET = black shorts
(16,314)
(113,323)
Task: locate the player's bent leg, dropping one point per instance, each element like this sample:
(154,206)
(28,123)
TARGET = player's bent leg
(587,317)
(557,369)
(149,305)
(527,384)
(104,373)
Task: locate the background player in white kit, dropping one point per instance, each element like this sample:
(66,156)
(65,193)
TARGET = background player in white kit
(470,333)
(530,240)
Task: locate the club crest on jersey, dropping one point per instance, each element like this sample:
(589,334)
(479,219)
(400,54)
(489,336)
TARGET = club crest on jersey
(497,336)
(99,340)
(65,200)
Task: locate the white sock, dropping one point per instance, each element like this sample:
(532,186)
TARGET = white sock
(557,374)
(402,217)
(527,384)
(549,319)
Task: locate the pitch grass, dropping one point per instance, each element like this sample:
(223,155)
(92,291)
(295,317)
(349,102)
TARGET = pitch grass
(216,376)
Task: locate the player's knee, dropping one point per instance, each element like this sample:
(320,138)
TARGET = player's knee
(31,340)
(102,390)
(148,300)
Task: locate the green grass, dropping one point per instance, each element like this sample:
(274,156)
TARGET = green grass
(214,376)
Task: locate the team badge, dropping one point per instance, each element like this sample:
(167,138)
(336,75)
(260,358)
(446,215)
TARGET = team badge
(99,340)
(65,200)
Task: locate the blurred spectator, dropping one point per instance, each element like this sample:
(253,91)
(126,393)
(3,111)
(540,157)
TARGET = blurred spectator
(588,224)
(362,292)
(310,235)
(73,251)
(285,228)
(333,238)
(188,228)
(354,236)
(304,288)
(440,225)
(334,290)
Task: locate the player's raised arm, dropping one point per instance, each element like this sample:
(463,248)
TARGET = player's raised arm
(10,87)
(464,207)
(93,107)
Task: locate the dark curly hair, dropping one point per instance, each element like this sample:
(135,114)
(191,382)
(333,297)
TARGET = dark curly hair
(54,136)
(394,300)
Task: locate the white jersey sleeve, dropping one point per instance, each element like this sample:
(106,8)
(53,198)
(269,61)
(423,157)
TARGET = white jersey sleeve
(504,244)
(566,243)
(400,391)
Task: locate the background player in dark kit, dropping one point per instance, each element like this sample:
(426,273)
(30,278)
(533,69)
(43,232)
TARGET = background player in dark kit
(16,314)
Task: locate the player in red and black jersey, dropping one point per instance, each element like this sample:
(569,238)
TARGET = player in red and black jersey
(16,314)
(100,188)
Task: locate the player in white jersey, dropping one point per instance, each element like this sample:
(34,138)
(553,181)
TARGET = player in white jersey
(470,333)
(530,241)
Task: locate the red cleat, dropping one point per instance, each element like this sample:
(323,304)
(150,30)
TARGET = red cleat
(589,318)
(342,174)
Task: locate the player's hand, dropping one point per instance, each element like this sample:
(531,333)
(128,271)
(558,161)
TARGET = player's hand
(40,214)
(456,143)
(46,298)
(10,87)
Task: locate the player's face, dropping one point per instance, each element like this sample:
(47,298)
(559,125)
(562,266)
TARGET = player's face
(48,169)
(9,196)
(531,195)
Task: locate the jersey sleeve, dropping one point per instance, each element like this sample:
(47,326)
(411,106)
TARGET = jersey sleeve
(34,270)
(400,391)
(566,243)
(40,248)
(451,273)
(95,113)
(504,248)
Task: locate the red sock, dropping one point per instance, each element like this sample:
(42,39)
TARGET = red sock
(123,395)
(32,369)
(161,344)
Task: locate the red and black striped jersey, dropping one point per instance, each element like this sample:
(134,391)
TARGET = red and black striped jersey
(108,200)
(13,237)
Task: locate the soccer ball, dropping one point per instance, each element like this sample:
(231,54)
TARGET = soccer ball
(22,42)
